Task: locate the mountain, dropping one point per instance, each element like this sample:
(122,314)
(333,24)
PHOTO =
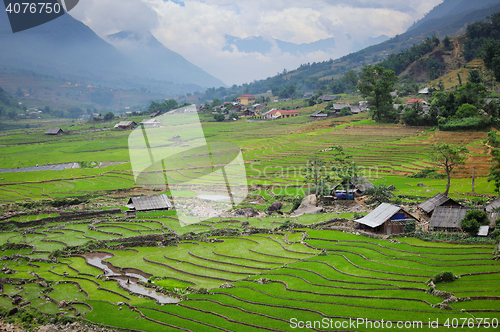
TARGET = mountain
(325,75)
(67,48)
(7,103)
(263,46)
(453,7)
(159,61)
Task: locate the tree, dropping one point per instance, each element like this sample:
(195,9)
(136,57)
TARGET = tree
(12,115)
(448,157)
(466,111)
(216,102)
(376,84)
(473,220)
(441,86)
(109,116)
(345,168)
(490,53)
(345,111)
(447,43)
(474,76)
(379,194)
(316,172)
(219,117)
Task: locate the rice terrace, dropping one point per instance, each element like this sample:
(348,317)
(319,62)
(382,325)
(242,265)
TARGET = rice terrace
(90,261)
(356,194)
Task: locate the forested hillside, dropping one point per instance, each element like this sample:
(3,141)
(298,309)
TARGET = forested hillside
(397,54)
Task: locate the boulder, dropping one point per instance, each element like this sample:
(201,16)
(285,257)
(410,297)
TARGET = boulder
(248,212)
(16,300)
(275,207)
(421,185)
(307,210)
(391,187)
(226,285)
(310,200)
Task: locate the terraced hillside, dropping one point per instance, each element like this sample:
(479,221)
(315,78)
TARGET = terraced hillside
(268,281)
(275,154)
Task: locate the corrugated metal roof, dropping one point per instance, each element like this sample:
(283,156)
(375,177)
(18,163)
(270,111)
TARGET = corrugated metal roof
(145,203)
(150,121)
(340,106)
(355,109)
(483,231)
(493,205)
(447,216)
(327,98)
(380,215)
(429,205)
(53,130)
(125,123)
(319,113)
(361,183)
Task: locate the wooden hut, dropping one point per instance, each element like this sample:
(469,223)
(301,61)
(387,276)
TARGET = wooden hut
(318,114)
(149,203)
(437,200)
(126,125)
(54,131)
(447,217)
(385,219)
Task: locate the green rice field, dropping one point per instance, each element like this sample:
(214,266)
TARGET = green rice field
(257,282)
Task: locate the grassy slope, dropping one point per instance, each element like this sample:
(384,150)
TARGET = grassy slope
(274,153)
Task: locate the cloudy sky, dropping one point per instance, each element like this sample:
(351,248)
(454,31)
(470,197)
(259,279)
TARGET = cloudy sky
(197,29)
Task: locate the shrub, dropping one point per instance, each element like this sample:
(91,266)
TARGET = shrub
(345,111)
(443,277)
(466,111)
(470,226)
(219,117)
(473,220)
(296,202)
(379,194)
(479,215)
(427,173)
(397,201)
(68,201)
(495,234)
(410,226)
(471,123)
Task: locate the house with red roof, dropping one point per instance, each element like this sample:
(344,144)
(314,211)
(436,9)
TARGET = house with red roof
(413,101)
(425,105)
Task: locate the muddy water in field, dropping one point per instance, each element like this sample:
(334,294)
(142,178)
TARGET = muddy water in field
(58,167)
(126,280)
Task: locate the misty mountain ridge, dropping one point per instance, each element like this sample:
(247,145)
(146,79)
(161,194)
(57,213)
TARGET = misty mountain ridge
(159,61)
(68,48)
(263,45)
(453,7)
(313,77)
